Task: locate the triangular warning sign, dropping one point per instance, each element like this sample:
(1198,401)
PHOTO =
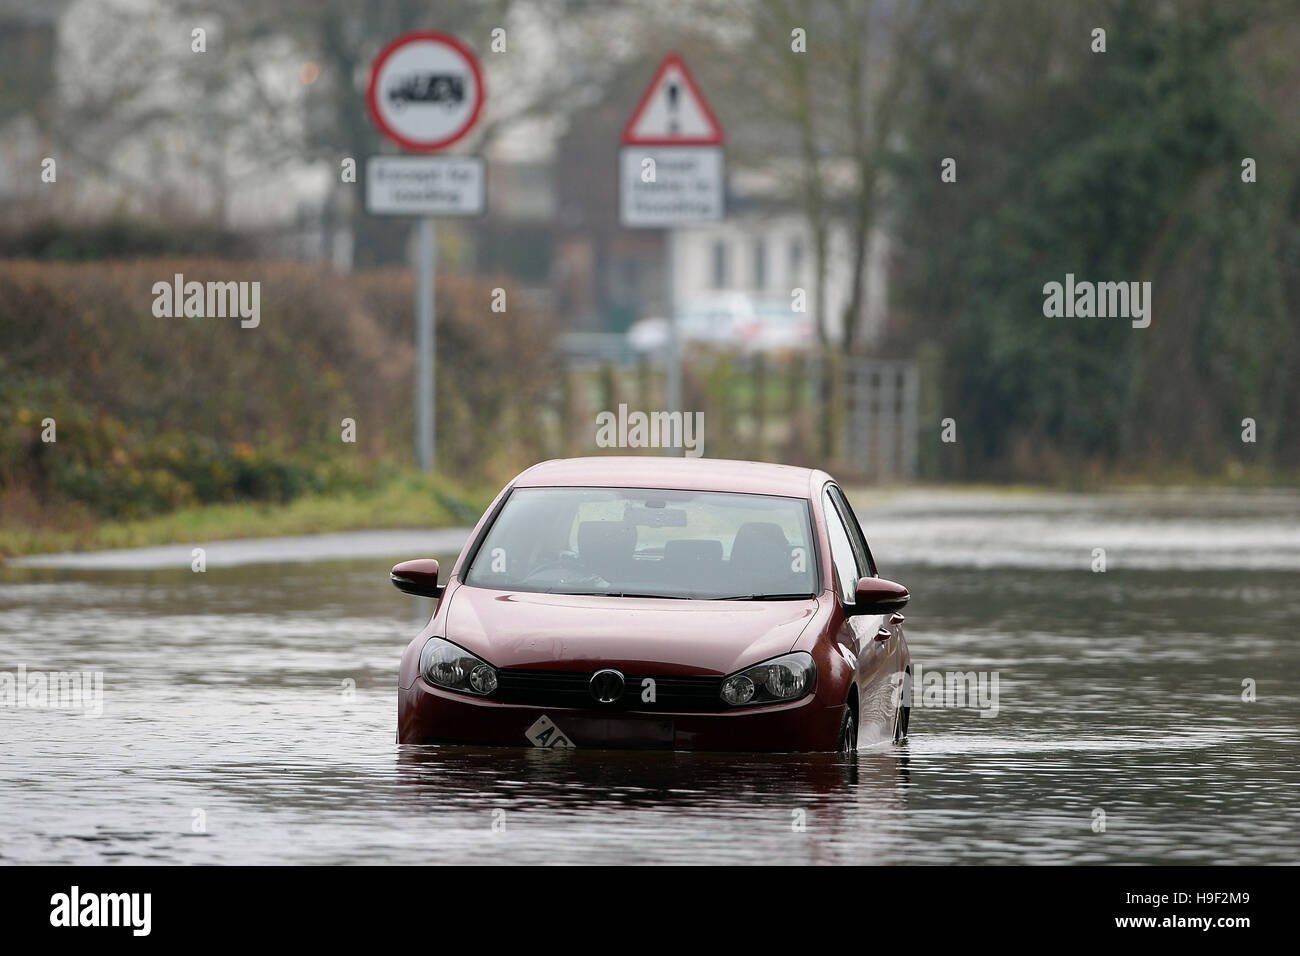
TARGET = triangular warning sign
(673,111)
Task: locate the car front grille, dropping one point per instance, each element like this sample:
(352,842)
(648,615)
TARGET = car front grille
(571,689)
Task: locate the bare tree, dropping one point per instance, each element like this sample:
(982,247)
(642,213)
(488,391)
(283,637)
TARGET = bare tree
(281,88)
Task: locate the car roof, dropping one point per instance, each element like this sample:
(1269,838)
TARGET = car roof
(693,474)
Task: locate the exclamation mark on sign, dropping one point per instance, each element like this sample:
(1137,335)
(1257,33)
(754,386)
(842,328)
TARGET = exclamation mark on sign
(674,126)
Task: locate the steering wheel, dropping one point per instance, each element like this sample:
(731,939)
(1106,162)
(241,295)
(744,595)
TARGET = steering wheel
(559,564)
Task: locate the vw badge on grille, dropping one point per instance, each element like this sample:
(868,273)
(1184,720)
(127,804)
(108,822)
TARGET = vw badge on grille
(606,686)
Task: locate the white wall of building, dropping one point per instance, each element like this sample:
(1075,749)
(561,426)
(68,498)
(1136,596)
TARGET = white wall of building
(771,256)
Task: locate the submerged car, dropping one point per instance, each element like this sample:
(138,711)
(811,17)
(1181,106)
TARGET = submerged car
(675,603)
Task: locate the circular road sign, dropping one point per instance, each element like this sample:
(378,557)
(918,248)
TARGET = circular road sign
(426,90)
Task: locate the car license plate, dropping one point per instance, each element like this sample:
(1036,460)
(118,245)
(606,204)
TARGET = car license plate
(543,733)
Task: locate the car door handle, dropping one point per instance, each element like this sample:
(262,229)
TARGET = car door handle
(884,634)
(896,618)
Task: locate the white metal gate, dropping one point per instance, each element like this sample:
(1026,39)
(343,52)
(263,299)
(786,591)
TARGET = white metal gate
(880,443)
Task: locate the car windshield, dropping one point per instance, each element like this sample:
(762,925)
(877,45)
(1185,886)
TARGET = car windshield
(638,542)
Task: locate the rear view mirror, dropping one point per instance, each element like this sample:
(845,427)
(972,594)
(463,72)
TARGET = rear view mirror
(878,596)
(655,516)
(419,577)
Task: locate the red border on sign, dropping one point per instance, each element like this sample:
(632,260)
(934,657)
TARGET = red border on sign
(717,138)
(372,99)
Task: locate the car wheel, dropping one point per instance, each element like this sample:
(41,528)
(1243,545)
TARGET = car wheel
(848,742)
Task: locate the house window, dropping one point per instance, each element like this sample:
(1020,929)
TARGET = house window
(760,264)
(719,265)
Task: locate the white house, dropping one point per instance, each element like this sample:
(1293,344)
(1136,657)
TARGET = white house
(772,255)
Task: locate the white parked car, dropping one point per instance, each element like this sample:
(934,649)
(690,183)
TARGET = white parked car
(734,321)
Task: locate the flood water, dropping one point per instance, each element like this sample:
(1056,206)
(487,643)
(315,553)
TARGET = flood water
(249,711)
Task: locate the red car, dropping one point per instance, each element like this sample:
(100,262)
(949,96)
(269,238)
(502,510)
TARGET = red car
(676,603)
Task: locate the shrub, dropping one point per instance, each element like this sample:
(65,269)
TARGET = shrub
(153,413)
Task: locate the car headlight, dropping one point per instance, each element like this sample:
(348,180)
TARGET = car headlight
(443,664)
(782,678)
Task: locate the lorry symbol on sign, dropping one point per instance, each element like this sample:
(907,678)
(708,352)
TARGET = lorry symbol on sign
(445,88)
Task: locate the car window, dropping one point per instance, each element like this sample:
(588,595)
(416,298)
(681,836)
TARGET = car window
(846,565)
(862,553)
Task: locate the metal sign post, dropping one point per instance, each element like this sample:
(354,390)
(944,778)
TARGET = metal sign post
(673,133)
(673,386)
(423,186)
(426,342)
(426,92)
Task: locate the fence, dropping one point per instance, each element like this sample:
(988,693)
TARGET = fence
(760,407)
(883,396)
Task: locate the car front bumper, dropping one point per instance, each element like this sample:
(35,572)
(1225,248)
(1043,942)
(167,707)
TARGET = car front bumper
(428,715)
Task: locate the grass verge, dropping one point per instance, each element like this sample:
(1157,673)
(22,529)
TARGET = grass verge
(409,501)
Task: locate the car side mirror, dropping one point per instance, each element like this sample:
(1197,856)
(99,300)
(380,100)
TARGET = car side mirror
(878,596)
(419,577)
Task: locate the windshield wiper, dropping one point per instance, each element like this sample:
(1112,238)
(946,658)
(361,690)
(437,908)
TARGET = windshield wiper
(685,597)
(632,594)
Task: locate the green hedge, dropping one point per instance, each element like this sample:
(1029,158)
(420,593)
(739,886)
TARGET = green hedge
(156,413)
